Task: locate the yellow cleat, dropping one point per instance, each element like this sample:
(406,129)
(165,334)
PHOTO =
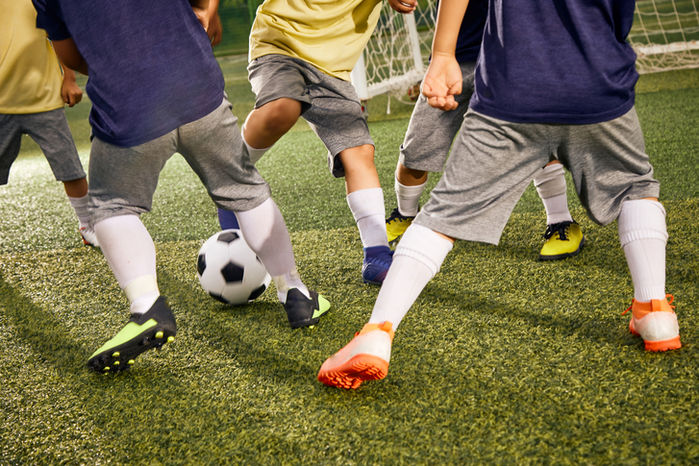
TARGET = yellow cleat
(563,240)
(396,224)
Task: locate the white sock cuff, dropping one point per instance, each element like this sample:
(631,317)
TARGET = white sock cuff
(79,201)
(409,190)
(140,286)
(366,202)
(548,173)
(642,219)
(254,153)
(425,246)
(550,181)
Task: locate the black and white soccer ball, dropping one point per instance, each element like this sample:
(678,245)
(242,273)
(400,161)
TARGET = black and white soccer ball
(229,270)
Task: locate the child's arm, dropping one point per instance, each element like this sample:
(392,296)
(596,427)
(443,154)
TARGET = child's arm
(69,55)
(201,10)
(215,30)
(70,91)
(403,6)
(443,78)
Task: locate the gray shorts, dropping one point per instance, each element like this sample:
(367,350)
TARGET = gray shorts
(123,179)
(51,132)
(493,161)
(330,105)
(431,130)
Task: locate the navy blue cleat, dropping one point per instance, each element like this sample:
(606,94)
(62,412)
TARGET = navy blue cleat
(377,260)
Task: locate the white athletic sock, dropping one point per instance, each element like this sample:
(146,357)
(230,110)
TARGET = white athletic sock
(643,236)
(417,259)
(80,206)
(130,253)
(255,154)
(408,198)
(265,232)
(550,183)
(370,214)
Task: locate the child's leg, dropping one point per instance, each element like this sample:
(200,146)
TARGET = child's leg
(79,200)
(564,238)
(550,183)
(643,236)
(122,183)
(409,186)
(265,232)
(365,200)
(418,257)
(51,132)
(130,253)
(266,124)
(262,128)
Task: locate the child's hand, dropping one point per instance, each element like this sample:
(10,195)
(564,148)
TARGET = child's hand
(403,6)
(203,16)
(70,91)
(442,82)
(215,30)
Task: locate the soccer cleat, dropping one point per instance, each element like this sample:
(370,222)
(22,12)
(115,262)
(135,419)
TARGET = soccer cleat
(143,332)
(302,311)
(88,236)
(377,261)
(563,240)
(396,224)
(365,357)
(656,322)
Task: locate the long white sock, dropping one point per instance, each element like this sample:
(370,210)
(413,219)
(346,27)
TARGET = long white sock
(80,206)
(370,214)
(255,153)
(130,253)
(408,198)
(417,259)
(643,236)
(550,183)
(265,232)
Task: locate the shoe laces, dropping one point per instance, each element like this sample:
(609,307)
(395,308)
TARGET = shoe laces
(560,228)
(396,216)
(668,296)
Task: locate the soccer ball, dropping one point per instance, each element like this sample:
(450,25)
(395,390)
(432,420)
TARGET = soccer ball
(229,270)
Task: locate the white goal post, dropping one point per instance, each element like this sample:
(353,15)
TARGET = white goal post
(665,36)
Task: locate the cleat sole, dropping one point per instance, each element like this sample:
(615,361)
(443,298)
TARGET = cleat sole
(123,357)
(356,370)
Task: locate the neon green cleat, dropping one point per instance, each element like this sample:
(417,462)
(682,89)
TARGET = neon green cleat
(563,240)
(143,332)
(396,224)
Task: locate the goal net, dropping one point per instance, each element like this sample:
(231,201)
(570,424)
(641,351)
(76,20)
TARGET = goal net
(665,36)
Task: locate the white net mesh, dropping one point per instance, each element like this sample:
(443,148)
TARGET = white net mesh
(665,36)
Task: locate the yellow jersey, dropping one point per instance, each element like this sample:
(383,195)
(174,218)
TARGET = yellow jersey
(328,34)
(30,76)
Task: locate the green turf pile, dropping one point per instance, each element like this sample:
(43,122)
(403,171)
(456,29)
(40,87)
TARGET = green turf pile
(502,359)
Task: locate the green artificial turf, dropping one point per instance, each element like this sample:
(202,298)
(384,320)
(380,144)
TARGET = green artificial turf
(502,359)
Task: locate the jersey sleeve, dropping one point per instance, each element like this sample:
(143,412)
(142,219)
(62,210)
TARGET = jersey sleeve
(50,18)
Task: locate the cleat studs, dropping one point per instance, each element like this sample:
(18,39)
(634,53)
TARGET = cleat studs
(115,354)
(116,363)
(131,361)
(106,369)
(170,339)
(159,334)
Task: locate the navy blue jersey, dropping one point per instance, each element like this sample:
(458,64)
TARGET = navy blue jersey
(468,43)
(556,61)
(151,67)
